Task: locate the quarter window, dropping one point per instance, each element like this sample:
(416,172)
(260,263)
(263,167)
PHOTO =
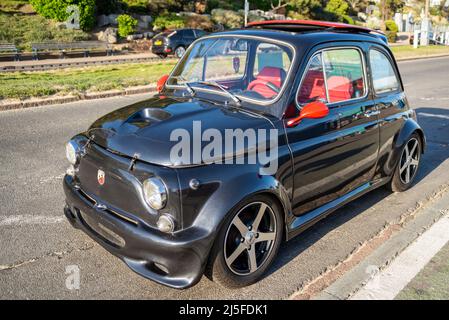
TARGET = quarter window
(333,76)
(384,77)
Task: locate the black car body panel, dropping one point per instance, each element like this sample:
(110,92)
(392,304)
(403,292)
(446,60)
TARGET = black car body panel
(322,163)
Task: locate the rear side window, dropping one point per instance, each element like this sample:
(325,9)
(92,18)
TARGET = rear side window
(333,76)
(188,34)
(384,77)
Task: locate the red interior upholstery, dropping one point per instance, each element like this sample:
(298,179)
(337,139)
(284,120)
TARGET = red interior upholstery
(273,75)
(312,87)
(340,88)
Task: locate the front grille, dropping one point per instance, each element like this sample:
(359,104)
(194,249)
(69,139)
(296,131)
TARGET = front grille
(93,202)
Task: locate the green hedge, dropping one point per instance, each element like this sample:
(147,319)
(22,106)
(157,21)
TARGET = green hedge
(56,9)
(126,25)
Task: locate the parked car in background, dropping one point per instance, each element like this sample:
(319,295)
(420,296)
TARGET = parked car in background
(330,93)
(175,42)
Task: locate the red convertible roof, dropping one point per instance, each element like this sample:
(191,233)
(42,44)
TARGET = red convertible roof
(307,24)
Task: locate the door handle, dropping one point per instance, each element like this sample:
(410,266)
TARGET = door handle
(371,113)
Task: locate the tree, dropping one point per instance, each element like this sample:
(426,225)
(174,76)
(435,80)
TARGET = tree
(308,9)
(126,25)
(337,7)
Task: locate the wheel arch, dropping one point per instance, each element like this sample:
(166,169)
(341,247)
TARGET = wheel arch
(408,129)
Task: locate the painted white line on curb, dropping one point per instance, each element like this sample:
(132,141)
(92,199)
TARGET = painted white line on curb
(29,219)
(424,114)
(386,284)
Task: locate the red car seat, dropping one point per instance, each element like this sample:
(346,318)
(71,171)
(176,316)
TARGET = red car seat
(340,88)
(268,75)
(312,87)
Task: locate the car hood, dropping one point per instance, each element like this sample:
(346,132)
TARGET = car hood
(144,130)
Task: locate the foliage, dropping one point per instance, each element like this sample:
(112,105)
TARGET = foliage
(391,26)
(56,9)
(347,19)
(337,7)
(169,21)
(391,36)
(199,22)
(22,31)
(304,9)
(109,6)
(126,25)
(227,18)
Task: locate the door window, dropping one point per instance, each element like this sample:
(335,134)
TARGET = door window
(384,77)
(333,76)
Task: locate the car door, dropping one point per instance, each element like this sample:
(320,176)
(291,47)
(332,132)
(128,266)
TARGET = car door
(335,154)
(390,101)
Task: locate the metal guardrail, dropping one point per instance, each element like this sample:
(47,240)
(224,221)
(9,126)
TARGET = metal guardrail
(79,64)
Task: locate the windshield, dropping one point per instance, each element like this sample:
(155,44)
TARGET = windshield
(250,69)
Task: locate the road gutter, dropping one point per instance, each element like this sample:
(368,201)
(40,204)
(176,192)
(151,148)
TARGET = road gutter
(348,276)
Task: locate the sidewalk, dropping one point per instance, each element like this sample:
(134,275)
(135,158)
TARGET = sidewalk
(432,282)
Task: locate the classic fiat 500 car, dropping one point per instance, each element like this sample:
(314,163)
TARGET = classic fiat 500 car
(331,95)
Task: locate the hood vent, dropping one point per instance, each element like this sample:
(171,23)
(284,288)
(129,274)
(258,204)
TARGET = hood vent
(146,116)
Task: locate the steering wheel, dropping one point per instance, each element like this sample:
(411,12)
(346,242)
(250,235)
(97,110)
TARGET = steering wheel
(265,83)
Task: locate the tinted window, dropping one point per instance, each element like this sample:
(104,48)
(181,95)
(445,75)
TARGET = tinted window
(384,77)
(333,76)
(188,34)
(200,33)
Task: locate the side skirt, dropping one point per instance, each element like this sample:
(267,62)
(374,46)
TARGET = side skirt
(303,222)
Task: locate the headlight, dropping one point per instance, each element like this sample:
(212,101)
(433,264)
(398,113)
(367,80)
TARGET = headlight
(70,151)
(155,193)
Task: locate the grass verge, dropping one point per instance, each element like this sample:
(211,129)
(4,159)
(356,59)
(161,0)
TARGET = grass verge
(403,52)
(22,85)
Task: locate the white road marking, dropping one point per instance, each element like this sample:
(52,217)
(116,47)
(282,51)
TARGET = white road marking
(424,114)
(386,284)
(29,219)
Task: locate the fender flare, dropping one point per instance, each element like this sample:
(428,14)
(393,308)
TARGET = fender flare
(410,126)
(224,202)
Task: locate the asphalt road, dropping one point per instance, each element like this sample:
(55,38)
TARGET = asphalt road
(37,244)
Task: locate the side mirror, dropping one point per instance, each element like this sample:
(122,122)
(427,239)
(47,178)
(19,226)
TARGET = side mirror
(161,83)
(313,110)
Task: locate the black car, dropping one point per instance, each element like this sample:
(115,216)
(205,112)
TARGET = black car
(256,135)
(175,42)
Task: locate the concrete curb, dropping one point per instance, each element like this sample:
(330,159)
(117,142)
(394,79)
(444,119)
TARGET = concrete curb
(88,96)
(423,57)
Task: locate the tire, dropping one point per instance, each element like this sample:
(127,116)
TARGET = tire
(180,51)
(234,271)
(407,168)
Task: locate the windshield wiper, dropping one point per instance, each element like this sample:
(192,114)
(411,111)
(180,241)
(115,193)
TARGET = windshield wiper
(188,86)
(236,100)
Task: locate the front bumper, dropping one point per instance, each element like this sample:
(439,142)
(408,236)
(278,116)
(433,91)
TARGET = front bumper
(175,260)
